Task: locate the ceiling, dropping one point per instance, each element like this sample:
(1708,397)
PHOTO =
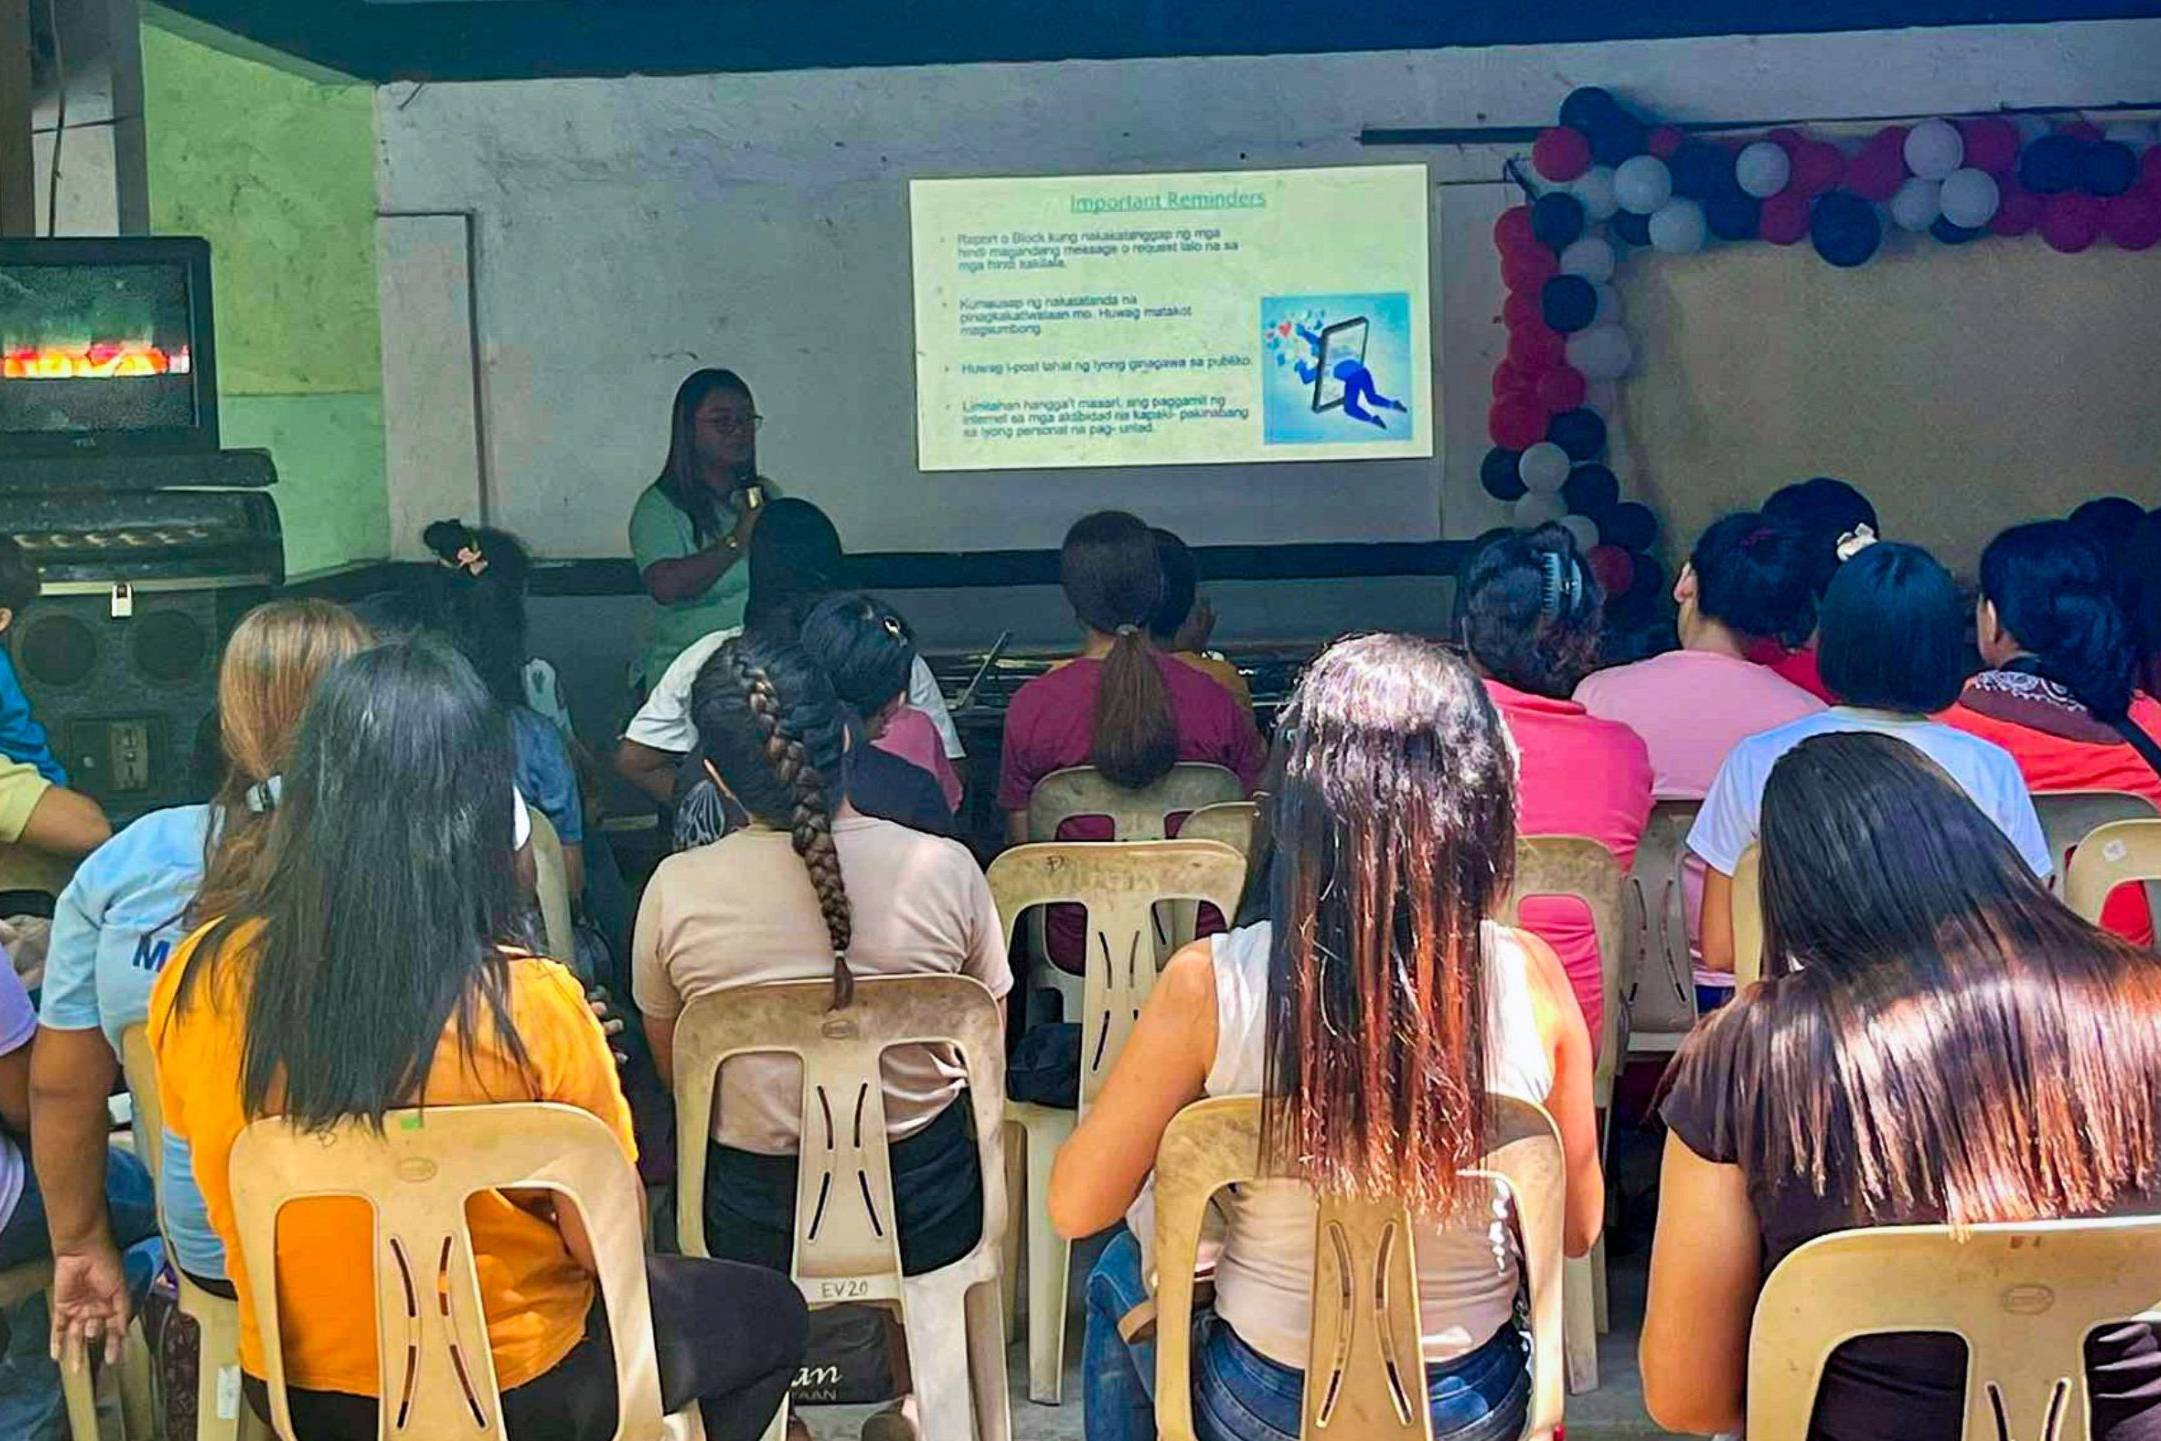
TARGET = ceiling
(511,39)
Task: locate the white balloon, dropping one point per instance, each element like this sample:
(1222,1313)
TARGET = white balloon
(1917,204)
(1642,184)
(2138,134)
(1677,227)
(1934,149)
(1609,305)
(1601,352)
(1970,197)
(1583,528)
(1535,510)
(1590,257)
(1763,169)
(1594,187)
(1544,468)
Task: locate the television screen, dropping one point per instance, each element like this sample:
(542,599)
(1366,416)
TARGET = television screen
(105,344)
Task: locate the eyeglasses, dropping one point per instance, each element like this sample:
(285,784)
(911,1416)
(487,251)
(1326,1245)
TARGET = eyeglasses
(746,426)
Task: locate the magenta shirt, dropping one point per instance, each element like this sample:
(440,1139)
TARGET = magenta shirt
(912,736)
(1580,776)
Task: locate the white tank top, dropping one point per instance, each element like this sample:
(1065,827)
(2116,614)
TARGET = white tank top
(1264,1277)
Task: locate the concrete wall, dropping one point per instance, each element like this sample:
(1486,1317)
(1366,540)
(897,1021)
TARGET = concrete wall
(277,170)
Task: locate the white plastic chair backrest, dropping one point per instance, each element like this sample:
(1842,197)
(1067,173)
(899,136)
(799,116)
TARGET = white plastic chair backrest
(2112,855)
(1118,883)
(552,890)
(846,1245)
(1580,867)
(138,1063)
(1241,825)
(2022,1296)
(2068,817)
(437,1372)
(1748,918)
(1365,1374)
(1660,988)
(1135,815)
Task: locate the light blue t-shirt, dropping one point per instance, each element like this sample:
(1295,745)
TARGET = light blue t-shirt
(114,927)
(1732,814)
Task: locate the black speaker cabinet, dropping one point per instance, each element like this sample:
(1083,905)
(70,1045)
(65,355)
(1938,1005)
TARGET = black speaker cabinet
(129,700)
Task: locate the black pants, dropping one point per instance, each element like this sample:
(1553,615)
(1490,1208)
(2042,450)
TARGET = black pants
(728,1336)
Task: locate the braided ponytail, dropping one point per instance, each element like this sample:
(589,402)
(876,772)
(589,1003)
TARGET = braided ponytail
(771,725)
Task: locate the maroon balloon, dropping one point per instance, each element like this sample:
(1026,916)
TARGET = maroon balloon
(1785,218)
(2149,171)
(1522,308)
(1614,568)
(2084,130)
(1817,166)
(2018,210)
(1788,139)
(2132,221)
(1561,388)
(1528,269)
(2070,222)
(1991,143)
(1664,140)
(1512,380)
(1536,349)
(1513,230)
(1561,154)
(1517,424)
(1877,172)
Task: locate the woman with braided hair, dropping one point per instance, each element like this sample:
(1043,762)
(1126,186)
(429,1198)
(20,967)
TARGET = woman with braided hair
(813,888)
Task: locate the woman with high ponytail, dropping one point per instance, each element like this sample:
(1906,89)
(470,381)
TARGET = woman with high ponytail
(810,888)
(2060,691)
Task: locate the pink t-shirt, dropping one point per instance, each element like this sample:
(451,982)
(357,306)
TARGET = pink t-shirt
(913,737)
(1692,707)
(1580,776)
(1050,726)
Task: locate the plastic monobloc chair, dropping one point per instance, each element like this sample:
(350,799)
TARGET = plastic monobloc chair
(552,890)
(2118,853)
(1659,986)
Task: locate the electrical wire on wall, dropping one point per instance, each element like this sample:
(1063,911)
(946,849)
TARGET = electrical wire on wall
(60,120)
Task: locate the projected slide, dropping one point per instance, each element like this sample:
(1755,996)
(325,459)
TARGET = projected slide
(1172,319)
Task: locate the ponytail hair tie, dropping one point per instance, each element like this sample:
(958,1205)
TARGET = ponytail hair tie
(1854,541)
(892,627)
(456,547)
(1126,630)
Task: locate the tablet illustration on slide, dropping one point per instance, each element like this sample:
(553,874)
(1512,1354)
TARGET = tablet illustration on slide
(1331,355)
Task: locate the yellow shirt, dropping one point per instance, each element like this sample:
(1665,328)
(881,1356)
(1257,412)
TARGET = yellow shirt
(534,1293)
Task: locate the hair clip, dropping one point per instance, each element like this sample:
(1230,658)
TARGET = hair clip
(1559,586)
(262,797)
(1126,630)
(893,628)
(1854,541)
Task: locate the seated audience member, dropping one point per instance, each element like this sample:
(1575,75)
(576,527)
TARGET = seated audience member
(37,810)
(125,1213)
(21,737)
(116,925)
(478,600)
(2142,601)
(795,561)
(358,972)
(1991,1056)
(1746,580)
(864,645)
(1824,511)
(2059,691)
(811,889)
(1893,644)
(1529,612)
(1182,622)
(1374,1010)
(2112,523)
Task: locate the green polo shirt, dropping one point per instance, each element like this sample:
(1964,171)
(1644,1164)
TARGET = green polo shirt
(661,530)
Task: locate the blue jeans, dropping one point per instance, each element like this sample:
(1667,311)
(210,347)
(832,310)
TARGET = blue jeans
(30,1408)
(1241,1395)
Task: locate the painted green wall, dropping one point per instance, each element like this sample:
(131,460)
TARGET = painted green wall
(278,171)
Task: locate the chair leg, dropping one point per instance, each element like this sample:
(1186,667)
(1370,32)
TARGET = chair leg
(1049,1258)
(1598,1285)
(778,1431)
(221,1414)
(1579,1325)
(986,1363)
(78,1388)
(934,1310)
(1016,1212)
(137,1406)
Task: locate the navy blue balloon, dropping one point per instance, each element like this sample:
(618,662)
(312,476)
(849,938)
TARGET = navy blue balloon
(1497,473)
(1700,169)
(1556,219)
(1650,581)
(1591,490)
(1733,215)
(1952,234)
(1618,137)
(1568,303)
(1587,105)
(1580,432)
(1631,525)
(1844,228)
(2108,167)
(2050,165)
(1631,227)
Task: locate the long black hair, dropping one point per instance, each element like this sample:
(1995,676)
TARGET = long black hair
(2051,587)
(679,479)
(864,646)
(1955,1042)
(1756,577)
(476,597)
(795,559)
(771,727)
(387,895)
(1114,579)
(1530,611)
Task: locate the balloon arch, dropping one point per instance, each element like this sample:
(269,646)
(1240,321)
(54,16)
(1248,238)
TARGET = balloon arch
(1612,184)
